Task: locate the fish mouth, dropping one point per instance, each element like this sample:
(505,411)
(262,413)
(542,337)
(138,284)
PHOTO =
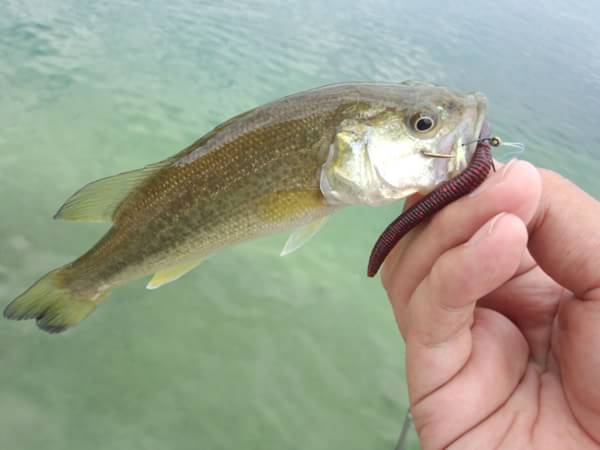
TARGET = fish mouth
(485,131)
(474,128)
(481,127)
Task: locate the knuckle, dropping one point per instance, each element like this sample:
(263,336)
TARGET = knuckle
(453,273)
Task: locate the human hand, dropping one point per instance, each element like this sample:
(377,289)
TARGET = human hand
(498,300)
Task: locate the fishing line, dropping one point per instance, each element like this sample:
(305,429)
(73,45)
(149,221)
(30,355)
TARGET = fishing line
(408,428)
(518,149)
(496,142)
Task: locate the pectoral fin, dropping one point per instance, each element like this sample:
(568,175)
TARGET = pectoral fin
(302,235)
(171,274)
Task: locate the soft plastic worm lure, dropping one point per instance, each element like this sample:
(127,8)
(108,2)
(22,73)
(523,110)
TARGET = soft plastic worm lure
(476,172)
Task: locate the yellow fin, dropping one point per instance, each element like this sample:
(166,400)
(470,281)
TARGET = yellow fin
(302,235)
(97,201)
(55,306)
(172,273)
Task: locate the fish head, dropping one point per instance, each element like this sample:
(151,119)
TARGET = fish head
(415,137)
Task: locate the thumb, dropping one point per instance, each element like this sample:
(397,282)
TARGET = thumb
(440,341)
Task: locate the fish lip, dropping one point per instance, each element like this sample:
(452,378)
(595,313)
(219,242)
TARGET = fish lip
(485,130)
(479,129)
(482,127)
(469,133)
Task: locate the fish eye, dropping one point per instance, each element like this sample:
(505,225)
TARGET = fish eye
(422,122)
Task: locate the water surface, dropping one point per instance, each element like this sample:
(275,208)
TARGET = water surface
(249,351)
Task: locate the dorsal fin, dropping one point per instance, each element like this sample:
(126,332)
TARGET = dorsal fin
(97,201)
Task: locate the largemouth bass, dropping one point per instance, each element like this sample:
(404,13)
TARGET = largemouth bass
(283,166)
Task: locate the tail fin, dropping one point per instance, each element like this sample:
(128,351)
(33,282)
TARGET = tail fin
(54,306)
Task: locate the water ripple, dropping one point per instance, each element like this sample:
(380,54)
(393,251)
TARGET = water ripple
(249,350)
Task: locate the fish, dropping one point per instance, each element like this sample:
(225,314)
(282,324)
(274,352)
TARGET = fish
(283,166)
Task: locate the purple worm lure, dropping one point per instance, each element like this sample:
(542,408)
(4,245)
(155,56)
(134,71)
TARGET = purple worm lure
(467,181)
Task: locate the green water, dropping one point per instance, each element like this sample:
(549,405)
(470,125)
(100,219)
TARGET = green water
(250,351)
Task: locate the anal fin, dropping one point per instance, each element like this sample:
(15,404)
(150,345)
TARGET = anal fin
(172,273)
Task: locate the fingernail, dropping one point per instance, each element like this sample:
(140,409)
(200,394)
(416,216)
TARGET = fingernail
(487,230)
(507,167)
(494,221)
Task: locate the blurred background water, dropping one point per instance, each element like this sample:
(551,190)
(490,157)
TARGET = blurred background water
(250,351)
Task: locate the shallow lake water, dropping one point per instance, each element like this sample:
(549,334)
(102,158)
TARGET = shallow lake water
(249,351)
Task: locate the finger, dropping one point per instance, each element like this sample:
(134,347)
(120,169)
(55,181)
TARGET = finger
(565,237)
(495,368)
(530,300)
(438,334)
(515,189)
(565,241)
(578,342)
